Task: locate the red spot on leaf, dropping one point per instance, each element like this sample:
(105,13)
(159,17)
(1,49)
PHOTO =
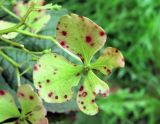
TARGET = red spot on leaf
(109,71)
(2,92)
(88,39)
(62,43)
(64,33)
(36,67)
(106,93)
(81,88)
(21,94)
(50,94)
(101,33)
(84,94)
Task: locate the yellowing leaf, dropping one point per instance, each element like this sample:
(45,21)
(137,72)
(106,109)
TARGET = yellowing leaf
(110,59)
(8,108)
(80,35)
(55,77)
(88,91)
(31,104)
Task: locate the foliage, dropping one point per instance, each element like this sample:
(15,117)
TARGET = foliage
(133,27)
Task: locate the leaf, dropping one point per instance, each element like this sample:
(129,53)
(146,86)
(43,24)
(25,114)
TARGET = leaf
(5,25)
(80,35)
(8,108)
(55,77)
(31,104)
(110,59)
(88,91)
(36,20)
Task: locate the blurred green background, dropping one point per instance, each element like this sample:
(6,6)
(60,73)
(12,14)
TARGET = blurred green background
(133,26)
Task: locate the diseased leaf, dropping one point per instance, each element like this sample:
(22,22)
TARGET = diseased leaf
(31,104)
(5,25)
(80,35)
(55,77)
(88,91)
(37,19)
(31,107)
(8,108)
(110,59)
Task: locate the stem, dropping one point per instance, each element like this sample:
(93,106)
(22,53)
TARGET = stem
(18,77)
(52,39)
(4,31)
(20,46)
(9,59)
(10,13)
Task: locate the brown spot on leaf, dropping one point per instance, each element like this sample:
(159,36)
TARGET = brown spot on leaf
(84,107)
(78,74)
(84,94)
(48,81)
(82,102)
(93,101)
(31,97)
(94,93)
(56,97)
(65,96)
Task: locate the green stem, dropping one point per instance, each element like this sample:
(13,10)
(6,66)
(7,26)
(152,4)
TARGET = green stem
(52,39)
(9,59)
(11,29)
(21,46)
(10,13)
(18,77)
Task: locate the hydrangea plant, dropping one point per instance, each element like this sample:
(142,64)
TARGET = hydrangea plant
(31,110)
(55,77)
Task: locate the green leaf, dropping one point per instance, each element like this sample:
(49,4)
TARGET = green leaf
(88,91)
(8,108)
(55,77)
(80,35)
(110,59)
(5,25)
(31,104)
